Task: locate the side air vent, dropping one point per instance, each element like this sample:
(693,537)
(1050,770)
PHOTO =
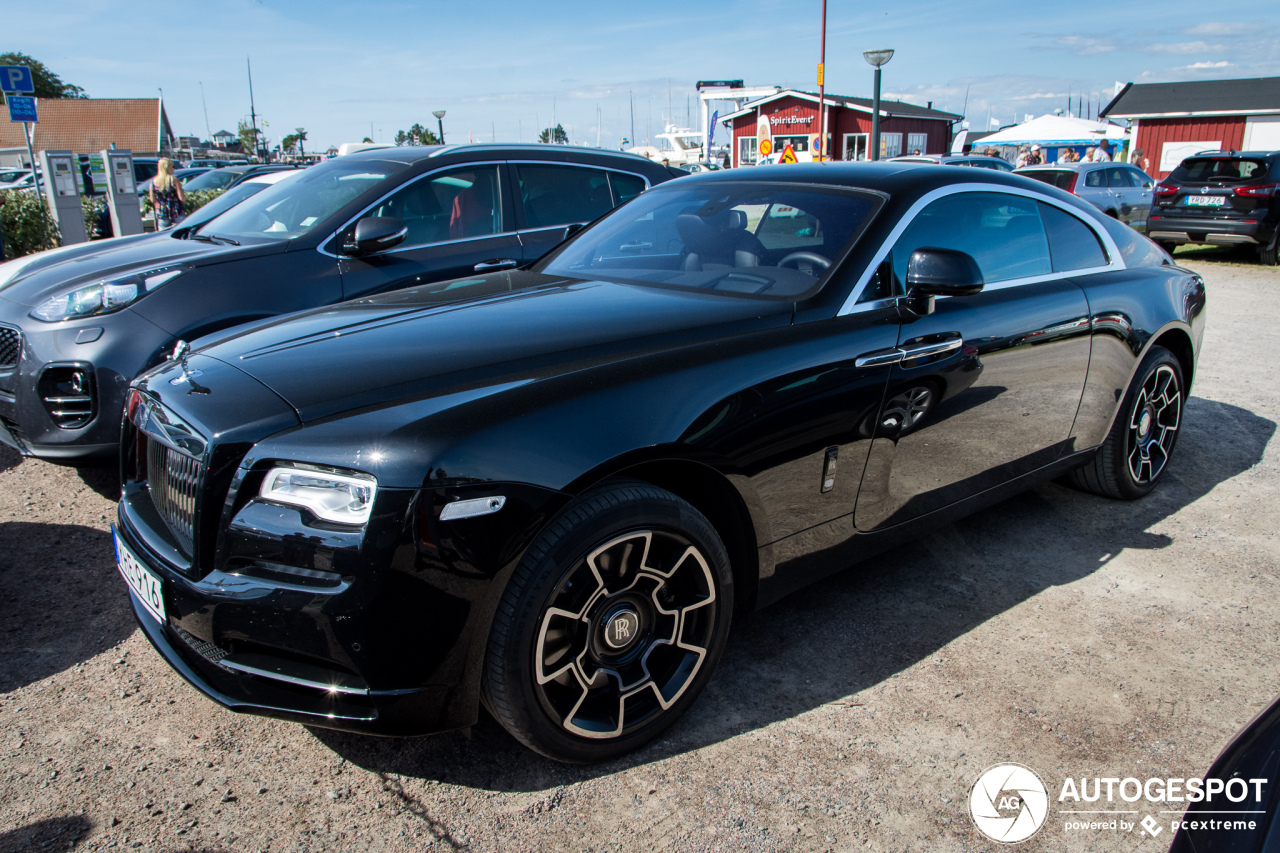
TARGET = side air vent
(69,394)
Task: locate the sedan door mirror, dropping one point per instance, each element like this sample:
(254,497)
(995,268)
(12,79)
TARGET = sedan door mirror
(939,272)
(942,272)
(376,234)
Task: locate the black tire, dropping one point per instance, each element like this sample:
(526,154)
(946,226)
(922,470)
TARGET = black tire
(610,626)
(1137,451)
(1269,256)
(1167,246)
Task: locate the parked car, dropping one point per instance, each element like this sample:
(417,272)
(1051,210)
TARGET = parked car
(1240,819)
(700,166)
(227,176)
(184,176)
(76,328)
(9,175)
(552,490)
(207,163)
(1225,198)
(976,161)
(1119,190)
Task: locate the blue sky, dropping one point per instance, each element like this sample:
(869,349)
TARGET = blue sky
(503,69)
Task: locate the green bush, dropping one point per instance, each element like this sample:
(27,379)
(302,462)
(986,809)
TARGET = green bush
(27,224)
(195,200)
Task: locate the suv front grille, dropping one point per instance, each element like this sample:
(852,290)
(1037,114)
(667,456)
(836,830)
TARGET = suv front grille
(10,347)
(173,479)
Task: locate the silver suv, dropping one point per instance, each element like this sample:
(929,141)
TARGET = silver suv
(1117,189)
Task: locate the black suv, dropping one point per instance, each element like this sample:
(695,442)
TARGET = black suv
(77,323)
(1221,197)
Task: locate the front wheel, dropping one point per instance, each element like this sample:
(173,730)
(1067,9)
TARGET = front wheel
(1269,256)
(610,626)
(1137,451)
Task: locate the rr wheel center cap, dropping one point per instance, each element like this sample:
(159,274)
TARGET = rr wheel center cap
(1144,424)
(622,629)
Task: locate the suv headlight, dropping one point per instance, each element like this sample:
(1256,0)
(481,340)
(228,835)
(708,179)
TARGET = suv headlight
(104,297)
(342,498)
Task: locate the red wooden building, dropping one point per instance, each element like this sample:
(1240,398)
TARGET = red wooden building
(1175,120)
(793,119)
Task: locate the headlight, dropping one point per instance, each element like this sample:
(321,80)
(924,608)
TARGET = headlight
(344,498)
(104,297)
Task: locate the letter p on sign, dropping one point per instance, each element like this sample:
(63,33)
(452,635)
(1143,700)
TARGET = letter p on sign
(16,78)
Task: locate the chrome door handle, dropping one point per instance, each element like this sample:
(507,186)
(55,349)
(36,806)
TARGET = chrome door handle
(879,358)
(923,350)
(497,264)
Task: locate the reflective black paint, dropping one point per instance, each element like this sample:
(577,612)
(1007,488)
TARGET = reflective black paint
(534,388)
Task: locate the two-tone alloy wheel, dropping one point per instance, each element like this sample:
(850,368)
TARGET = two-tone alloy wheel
(611,624)
(1137,451)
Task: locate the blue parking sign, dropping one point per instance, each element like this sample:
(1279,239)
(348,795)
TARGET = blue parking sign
(22,109)
(16,78)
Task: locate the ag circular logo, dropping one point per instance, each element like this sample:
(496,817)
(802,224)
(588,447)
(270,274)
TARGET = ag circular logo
(1009,803)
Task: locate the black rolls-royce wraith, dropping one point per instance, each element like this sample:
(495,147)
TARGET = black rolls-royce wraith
(550,490)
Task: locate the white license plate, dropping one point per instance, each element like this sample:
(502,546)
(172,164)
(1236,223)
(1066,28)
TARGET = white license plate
(141,580)
(1205,200)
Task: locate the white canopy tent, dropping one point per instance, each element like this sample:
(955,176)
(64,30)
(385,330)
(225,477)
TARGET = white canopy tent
(1052,131)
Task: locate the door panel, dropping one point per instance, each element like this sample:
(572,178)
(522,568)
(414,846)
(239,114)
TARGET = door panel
(455,220)
(993,391)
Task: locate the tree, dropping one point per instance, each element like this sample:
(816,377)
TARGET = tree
(302,137)
(370,141)
(48,84)
(289,143)
(416,135)
(248,137)
(555,135)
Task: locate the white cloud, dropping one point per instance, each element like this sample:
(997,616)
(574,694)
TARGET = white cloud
(1218,28)
(1082,46)
(1181,48)
(1201,65)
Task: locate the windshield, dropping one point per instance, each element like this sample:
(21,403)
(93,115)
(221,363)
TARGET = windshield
(1223,170)
(292,208)
(215,179)
(767,240)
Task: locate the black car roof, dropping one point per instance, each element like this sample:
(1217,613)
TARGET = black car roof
(417,153)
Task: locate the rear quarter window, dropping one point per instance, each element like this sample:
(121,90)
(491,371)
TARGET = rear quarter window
(1136,249)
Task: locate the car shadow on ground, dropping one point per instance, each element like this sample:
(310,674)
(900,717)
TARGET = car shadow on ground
(862,626)
(61,601)
(58,833)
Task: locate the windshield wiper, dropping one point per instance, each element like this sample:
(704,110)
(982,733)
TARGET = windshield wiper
(214,238)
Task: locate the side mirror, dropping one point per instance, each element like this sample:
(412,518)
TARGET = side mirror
(942,272)
(376,234)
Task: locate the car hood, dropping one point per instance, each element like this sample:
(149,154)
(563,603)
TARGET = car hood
(509,327)
(51,273)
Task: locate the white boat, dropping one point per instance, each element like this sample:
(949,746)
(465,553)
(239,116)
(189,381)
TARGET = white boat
(679,145)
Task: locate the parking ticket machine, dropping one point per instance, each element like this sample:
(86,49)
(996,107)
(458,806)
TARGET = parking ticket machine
(62,191)
(122,193)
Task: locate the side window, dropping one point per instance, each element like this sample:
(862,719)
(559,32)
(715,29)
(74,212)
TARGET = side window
(1003,233)
(1096,178)
(553,195)
(1137,178)
(1072,244)
(625,187)
(451,205)
(1118,177)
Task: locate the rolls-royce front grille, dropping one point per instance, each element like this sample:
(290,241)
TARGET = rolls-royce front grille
(10,346)
(173,479)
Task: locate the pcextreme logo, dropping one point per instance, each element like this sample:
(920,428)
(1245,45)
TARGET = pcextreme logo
(1009,803)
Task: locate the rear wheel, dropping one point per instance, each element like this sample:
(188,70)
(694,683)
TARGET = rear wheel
(1167,246)
(1137,451)
(610,626)
(1270,255)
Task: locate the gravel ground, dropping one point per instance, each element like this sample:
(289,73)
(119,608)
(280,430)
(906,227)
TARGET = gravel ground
(1075,635)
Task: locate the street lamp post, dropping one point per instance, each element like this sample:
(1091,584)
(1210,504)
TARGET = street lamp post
(439,114)
(876,58)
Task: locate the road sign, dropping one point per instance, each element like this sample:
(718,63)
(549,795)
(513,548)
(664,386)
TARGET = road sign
(22,109)
(788,156)
(16,78)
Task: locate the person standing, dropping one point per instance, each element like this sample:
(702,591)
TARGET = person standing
(1100,154)
(167,197)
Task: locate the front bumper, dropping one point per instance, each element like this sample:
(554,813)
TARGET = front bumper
(112,349)
(256,681)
